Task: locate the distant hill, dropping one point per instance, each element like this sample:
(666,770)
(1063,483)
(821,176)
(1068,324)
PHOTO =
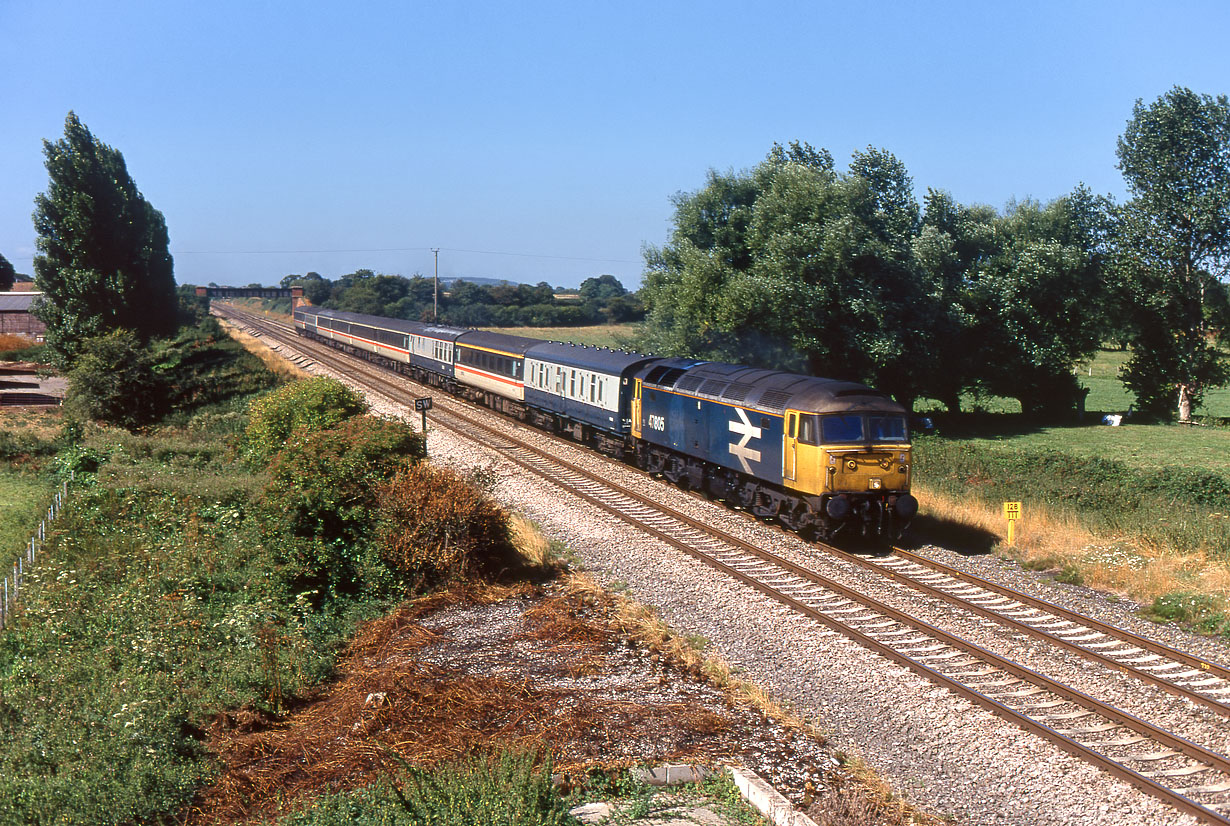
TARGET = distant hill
(470,279)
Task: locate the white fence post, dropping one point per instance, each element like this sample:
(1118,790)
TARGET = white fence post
(10,595)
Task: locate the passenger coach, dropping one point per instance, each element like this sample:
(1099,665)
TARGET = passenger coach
(583,391)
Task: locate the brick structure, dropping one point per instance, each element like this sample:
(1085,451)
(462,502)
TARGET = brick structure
(15,316)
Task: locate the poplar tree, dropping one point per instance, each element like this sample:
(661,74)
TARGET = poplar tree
(104,262)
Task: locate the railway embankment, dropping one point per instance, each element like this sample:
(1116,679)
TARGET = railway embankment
(1141,512)
(997,798)
(185,609)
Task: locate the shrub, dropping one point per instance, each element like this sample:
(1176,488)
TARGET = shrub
(19,348)
(202,366)
(19,443)
(323,492)
(433,525)
(310,405)
(113,381)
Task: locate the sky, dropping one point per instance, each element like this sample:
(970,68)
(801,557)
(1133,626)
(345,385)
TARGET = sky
(541,141)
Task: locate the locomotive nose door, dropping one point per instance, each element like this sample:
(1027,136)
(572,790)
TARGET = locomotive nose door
(790,445)
(636,410)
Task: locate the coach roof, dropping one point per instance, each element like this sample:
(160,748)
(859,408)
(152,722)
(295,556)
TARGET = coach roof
(500,342)
(417,328)
(775,391)
(598,359)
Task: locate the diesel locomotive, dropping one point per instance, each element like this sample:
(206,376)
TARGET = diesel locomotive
(821,456)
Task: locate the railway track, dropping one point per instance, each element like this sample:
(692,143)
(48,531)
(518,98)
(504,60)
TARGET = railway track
(1188,776)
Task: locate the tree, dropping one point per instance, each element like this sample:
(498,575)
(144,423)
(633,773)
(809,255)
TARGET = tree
(104,262)
(601,289)
(1173,245)
(8,275)
(1035,305)
(796,267)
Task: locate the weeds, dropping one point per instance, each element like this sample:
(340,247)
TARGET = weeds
(506,787)
(1199,611)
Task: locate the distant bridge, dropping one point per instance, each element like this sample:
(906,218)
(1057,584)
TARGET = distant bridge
(295,294)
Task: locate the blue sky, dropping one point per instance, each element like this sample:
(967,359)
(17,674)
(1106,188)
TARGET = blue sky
(543,141)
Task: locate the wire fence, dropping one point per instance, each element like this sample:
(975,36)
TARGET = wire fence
(14,581)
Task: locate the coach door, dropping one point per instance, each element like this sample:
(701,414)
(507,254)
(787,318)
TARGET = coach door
(636,410)
(790,445)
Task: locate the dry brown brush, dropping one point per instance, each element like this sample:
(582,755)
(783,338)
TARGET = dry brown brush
(434,526)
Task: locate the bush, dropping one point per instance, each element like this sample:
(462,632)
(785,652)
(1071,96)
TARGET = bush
(434,525)
(201,366)
(19,348)
(14,444)
(323,493)
(310,405)
(113,381)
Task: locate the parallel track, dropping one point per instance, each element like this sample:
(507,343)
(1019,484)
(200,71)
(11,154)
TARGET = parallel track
(1184,774)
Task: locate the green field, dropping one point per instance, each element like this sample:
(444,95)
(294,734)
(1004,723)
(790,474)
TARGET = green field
(615,336)
(1148,447)
(1106,392)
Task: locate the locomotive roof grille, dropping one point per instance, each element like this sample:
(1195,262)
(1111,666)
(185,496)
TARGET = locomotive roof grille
(736,392)
(774,400)
(690,383)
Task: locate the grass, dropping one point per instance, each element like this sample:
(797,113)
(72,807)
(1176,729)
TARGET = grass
(1151,447)
(26,485)
(157,605)
(1140,510)
(25,497)
(615,336)
(1106,392)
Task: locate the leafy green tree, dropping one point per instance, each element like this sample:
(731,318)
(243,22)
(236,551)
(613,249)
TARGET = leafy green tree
(1037,305)
(8,275)
(600,289)
(104,262)
(316,288)
(1174,245)
(795,266)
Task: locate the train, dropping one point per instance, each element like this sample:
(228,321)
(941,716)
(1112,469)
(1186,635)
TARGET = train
(823,457)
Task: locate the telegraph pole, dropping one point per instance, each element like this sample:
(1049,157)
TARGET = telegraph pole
(435,296)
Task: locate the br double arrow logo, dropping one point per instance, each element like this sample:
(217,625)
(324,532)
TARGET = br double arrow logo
(741,451)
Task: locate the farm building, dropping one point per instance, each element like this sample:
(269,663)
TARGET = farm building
(15,315)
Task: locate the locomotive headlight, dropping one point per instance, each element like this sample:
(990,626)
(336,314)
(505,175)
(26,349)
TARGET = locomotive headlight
(874,484)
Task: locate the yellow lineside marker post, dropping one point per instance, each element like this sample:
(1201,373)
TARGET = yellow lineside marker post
(1012,512)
